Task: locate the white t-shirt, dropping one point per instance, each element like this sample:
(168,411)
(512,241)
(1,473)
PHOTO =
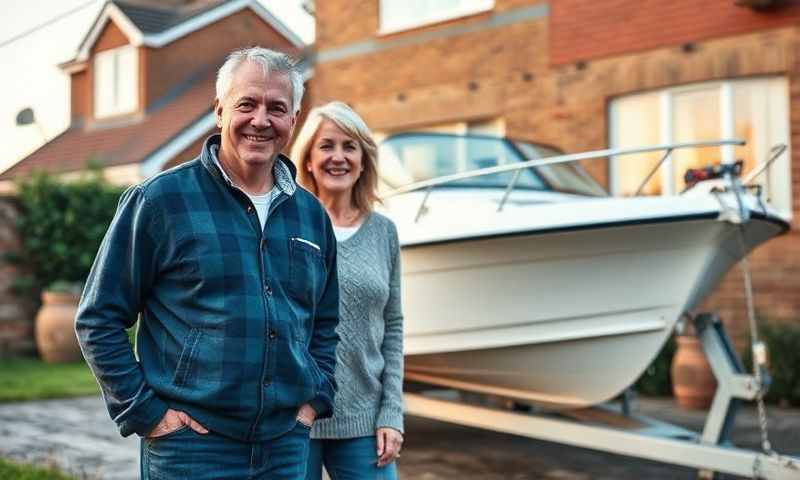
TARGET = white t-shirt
(261,202)
(343,233)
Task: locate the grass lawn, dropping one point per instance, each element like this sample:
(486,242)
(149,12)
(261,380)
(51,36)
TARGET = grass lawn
(26,472)
(33,379)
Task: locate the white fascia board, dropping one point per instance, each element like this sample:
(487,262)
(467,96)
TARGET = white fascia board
(160,39)
(156,161)
(110,13)
(74,67)
(281,27)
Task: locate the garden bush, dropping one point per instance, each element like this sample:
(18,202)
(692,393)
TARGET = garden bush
(783,347)
(61,225)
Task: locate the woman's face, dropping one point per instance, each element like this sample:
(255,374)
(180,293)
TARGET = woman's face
(335,160)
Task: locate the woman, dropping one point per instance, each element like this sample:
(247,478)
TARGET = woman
(336,159)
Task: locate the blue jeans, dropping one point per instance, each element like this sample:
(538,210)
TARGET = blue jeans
(348,459)
(186,454)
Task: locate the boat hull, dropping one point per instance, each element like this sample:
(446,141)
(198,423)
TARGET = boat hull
(566,318)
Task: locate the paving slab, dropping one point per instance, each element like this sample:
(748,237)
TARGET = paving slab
(77,436)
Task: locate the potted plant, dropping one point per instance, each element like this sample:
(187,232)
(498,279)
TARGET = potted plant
(55,335)
(693,382)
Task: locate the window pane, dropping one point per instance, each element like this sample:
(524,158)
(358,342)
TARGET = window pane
(760,107)
(760,110)
(427,156)
(695,117)
(637,124)
(127,81)
(103,77)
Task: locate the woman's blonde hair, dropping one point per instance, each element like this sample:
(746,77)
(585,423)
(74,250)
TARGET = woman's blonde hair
(365,191)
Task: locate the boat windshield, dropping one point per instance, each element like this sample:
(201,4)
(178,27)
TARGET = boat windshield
(415,157)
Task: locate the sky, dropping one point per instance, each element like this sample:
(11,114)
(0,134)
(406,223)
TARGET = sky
(31,77)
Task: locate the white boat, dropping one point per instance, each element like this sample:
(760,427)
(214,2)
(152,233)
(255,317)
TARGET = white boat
(523,278)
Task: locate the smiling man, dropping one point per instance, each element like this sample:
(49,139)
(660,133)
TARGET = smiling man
(230,269)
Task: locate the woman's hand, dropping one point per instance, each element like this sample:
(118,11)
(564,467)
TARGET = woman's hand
(389,443)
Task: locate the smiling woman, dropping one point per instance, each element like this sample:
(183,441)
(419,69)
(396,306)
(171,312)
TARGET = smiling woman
(336,159)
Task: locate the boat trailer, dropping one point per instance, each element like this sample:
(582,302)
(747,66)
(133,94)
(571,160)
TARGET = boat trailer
(613,429)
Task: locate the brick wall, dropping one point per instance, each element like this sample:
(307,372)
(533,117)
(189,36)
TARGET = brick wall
(110,38)
(16,314)
(80,96)
(585,29)
(508,72)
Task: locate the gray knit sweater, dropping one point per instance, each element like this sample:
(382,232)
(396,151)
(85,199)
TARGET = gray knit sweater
(369,368)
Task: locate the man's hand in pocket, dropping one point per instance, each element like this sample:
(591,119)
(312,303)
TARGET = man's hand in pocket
(175,420)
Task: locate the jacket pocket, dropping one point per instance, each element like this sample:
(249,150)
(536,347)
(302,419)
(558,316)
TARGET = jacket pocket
(306,272)
(185,362)
(296,376)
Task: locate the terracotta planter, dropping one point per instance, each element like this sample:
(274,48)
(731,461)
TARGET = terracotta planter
(693,382)
(55,331)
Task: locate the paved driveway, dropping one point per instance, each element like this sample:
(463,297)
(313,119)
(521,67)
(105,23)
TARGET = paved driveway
(77,436)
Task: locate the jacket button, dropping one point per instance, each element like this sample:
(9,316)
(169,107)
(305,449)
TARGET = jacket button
(268,290)
(272,334)
(249,209)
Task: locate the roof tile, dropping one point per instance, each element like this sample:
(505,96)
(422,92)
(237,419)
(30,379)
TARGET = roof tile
(151,16)
(129,143)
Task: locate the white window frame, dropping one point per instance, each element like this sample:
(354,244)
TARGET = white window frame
(120,104)
(727,130)
(391,25)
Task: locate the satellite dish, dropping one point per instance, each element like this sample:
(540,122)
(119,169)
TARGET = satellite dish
(25,117)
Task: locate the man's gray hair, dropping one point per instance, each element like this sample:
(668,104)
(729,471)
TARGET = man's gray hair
(271,61)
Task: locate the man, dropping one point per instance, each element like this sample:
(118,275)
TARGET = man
(231,270)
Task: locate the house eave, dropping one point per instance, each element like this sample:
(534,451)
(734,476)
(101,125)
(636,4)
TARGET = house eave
(137,38)
(168,36)
(109,13)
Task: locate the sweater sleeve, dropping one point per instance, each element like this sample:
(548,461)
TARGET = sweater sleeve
(391,410)
(118,284)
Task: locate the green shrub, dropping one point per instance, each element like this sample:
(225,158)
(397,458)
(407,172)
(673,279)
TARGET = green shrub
(783,347)
(61,225)
(656,380)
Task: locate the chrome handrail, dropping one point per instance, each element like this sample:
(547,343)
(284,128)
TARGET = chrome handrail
(567,158)
(774,152)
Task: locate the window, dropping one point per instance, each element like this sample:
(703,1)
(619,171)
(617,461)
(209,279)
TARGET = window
(116,82)
(754,110)
(396,15)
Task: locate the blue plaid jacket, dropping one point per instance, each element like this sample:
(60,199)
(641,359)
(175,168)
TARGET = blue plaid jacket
(236,325)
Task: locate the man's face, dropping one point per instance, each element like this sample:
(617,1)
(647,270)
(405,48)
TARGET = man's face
(255,117)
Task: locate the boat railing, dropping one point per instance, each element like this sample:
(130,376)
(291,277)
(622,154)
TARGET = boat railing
(517,168)
(774,152)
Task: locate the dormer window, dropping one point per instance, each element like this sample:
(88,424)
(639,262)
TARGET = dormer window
(116,82)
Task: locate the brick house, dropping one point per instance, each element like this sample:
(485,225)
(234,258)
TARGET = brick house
(583,75)
(142,84)
(142,89)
